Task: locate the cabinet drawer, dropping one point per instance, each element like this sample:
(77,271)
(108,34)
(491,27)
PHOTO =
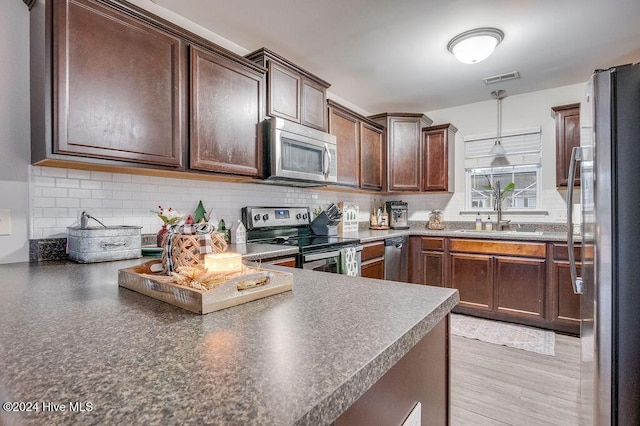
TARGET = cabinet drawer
(431,243)
(282,261)
(511,248)
(561,252)
(372,250)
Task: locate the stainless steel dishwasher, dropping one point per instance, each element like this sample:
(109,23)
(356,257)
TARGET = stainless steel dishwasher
(396,259)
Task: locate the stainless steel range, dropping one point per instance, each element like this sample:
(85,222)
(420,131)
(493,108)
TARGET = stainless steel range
(290,226)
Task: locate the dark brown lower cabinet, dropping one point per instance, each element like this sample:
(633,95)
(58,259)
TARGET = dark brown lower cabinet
(373,260)
(427,261)
(422,375)
(282,261)
(472,275)
(563,310)
(520,286)
(503,280)
(525,282)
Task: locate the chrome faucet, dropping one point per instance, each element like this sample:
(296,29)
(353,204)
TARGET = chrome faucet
(501,225)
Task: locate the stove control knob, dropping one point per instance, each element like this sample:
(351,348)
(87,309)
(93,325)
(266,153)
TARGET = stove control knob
(256,218)
(299,216)
(305,216)
(265,217)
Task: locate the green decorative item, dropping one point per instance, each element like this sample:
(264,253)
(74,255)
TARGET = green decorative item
(200,214)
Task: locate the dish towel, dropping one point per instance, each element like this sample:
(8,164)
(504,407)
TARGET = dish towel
(348,262)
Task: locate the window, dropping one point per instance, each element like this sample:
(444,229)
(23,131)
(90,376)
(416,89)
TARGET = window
(521,165)
(525,194)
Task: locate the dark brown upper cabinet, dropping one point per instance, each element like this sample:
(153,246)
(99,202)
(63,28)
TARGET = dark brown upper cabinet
(292,92)
(372,163)
(438,171)
(112,87)
(226,114)
(567,119)
(345,126)
(404,149)
(359,148)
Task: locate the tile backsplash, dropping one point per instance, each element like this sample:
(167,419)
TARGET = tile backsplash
(59,196)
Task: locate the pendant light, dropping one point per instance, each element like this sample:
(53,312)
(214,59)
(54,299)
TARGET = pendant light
(498,150)
(475,45)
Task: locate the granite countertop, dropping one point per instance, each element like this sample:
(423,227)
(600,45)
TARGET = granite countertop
(71,335)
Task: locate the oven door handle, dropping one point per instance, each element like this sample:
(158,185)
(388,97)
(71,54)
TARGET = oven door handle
(319,256)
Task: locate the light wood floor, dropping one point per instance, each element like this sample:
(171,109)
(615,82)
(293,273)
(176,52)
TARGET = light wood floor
(497,385)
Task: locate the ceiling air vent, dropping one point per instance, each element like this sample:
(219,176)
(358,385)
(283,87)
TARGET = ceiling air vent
(502,77)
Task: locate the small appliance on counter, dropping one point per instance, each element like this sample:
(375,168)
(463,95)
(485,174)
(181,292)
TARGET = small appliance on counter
(398,214)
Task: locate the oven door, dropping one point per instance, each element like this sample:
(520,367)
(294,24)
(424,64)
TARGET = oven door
(328,261)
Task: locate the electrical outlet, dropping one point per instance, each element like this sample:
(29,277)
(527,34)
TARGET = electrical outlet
(5,222)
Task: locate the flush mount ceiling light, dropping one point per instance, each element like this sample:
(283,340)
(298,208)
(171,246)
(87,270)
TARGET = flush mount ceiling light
(476,45)
(498,150)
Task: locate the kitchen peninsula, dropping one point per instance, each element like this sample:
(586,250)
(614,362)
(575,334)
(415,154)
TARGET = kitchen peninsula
(71,337)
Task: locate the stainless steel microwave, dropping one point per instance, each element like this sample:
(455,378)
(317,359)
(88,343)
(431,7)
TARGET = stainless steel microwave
(299,154)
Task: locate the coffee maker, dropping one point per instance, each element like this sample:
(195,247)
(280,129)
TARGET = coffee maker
(398,214)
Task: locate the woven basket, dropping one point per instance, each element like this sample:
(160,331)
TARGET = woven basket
(186,250)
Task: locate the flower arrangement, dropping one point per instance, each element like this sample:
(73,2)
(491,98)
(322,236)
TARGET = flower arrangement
(168,216)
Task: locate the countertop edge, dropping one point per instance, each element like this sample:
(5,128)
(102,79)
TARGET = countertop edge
(329,409)
(369,236)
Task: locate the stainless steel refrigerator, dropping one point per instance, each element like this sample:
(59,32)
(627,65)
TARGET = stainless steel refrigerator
(609,282)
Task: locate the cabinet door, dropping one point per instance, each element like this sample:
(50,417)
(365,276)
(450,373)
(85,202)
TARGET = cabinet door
(404,154)
(373,260)
(346,129)
(314,100)
(373,269)
(284,92)
(564,309)
(371,157)
(119,86)
(226,105)
(472,275)
(432,267)
(520,286)
(437,158)
(567,137)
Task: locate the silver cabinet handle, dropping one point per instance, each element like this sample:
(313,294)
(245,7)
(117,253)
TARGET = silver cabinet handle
(104,244)
(576,281)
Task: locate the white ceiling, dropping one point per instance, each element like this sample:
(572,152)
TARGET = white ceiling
(385,55)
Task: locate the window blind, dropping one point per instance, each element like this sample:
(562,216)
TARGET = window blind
(523,147)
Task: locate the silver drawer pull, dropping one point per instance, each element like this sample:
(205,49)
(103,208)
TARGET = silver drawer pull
(104,244)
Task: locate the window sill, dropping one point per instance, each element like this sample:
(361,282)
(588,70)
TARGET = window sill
(509,212)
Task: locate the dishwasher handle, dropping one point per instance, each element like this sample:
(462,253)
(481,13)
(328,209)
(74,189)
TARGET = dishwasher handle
(396,241)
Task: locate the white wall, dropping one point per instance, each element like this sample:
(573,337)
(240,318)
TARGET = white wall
(518,112)
(14,128)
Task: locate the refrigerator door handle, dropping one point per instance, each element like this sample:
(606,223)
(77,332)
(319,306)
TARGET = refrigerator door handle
(576,281)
